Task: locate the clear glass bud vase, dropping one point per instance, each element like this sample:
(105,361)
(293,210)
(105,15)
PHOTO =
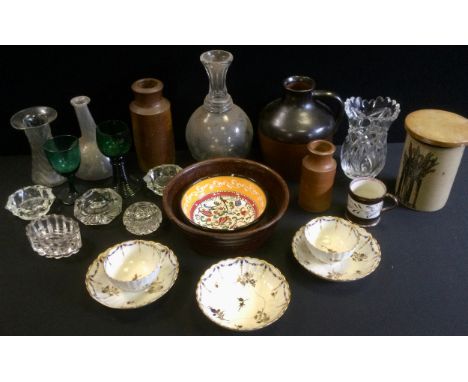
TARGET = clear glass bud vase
(94,165)
(218,128)
(35,122)
(364,151)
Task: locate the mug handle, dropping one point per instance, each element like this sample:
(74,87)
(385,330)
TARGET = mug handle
(394,199)
(338,111)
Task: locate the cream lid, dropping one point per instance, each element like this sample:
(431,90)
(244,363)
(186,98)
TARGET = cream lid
(437,127)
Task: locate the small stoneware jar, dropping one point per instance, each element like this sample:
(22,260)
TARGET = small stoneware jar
(434,146)
(317,176)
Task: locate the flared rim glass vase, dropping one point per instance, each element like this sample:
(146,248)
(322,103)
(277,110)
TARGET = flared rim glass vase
(218,128)
(35,122)
(364,151)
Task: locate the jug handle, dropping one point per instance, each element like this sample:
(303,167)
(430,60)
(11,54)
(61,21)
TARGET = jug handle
(338,111)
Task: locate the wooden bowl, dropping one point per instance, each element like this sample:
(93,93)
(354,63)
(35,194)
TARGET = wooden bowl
(229,242)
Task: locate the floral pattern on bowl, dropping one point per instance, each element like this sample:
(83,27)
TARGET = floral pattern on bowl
(30,203)
(363,261)
(224,203)
(331,238)
(243,294)
(106,293)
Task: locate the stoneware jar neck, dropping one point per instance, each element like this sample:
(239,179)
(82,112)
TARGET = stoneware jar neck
(320,154)
(148,92)
(299,89)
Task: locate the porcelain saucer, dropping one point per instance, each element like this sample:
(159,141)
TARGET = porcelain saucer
(103,291)
(364,260)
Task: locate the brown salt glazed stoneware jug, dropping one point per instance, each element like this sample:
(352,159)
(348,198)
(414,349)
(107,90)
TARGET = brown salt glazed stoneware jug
(152,124)
(287,124)
(317,176)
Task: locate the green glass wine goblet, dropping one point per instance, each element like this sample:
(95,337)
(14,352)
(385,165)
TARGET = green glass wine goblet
(114,140)
(63,154)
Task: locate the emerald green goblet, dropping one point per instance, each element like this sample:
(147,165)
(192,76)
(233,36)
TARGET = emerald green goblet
(114,140)
(63,154)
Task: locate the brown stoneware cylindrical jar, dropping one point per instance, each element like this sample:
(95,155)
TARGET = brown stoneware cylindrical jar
(152,124)
(317,176)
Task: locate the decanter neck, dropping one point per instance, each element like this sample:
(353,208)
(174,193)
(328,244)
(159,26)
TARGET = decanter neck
(216,63)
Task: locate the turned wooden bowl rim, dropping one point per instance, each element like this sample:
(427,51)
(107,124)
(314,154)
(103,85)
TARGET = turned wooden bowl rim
(282,207)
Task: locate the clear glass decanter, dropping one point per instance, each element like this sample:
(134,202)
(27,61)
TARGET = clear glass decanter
(218,128)
(35,122)
(365,148)
(94,165)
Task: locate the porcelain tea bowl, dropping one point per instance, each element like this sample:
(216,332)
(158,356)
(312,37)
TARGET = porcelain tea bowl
(223,203)
(237,242)
(54,236)
(132,266)
(158,177)
(243,294)
(331,239)
(30,203)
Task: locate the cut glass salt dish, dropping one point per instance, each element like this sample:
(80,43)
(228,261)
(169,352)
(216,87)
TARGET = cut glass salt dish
(30,202)
(142,218)
(158,177)
(98,206)
(54,236)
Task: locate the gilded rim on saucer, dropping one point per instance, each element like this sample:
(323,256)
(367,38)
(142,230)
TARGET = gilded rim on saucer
(101,289)
(367,252)
(244,281)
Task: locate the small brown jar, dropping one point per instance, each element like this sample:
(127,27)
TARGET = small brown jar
(152,124)
(317,176)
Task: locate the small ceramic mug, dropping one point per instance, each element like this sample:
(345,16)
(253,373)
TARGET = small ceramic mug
(366,201)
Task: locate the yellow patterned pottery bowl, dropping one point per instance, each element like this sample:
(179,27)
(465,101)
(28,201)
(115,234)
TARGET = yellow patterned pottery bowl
(223,203)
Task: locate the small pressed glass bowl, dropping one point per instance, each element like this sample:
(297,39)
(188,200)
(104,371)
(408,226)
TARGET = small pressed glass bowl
(98,206)
(142,218)
(158,177)
(30,203)
(132,266)
(54,236)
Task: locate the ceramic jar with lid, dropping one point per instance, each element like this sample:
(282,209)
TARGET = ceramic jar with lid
(288,124)
(317,176)
(433,149)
